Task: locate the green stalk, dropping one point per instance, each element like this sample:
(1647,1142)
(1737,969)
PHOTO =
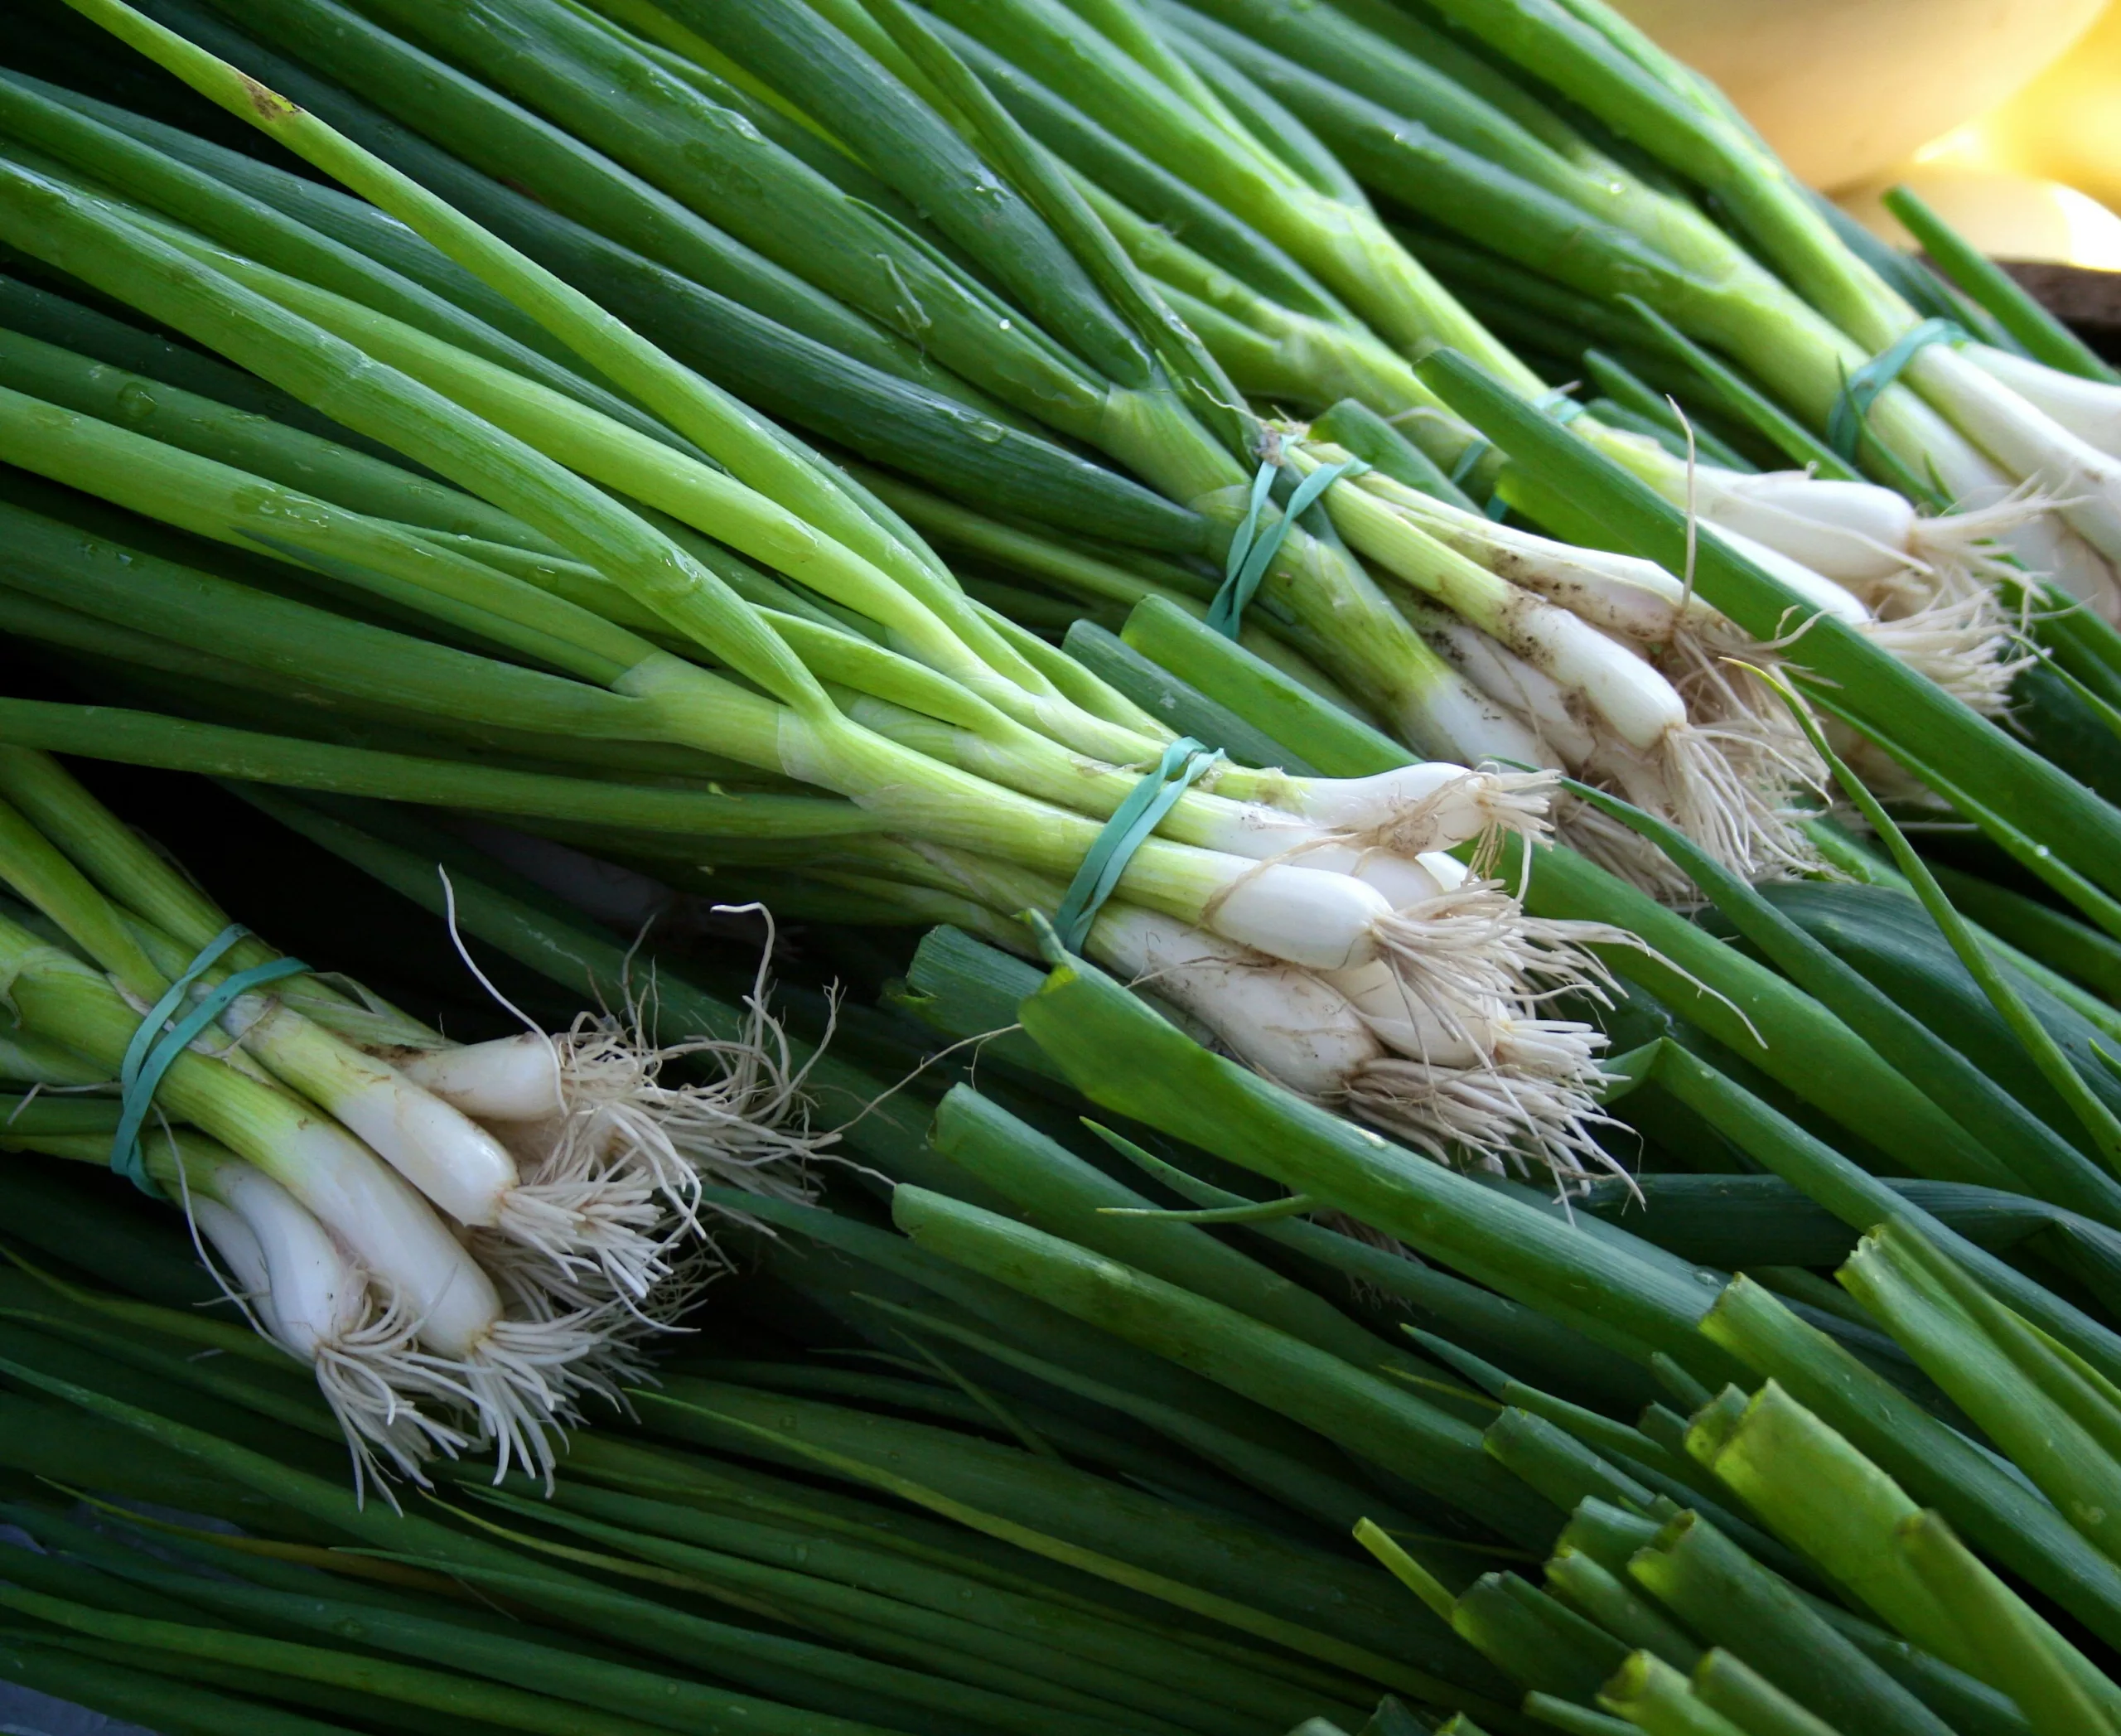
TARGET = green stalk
(2012,1647)
(1071,1690)
(2039,859)
(1099,574)
(1322,1607)
(2051,939)
(1851,1517)
(933,620)
(1367,1415)
(137,738)
(1104,163)
(718,423)
(904,140)
(2053,1415)
(1119,1647)
(1725,1684)
(1374,650)
(1057,1192)
(229,506)
(93,241)
(34,114)
(1190,711)
(340,216)
(1295,1480)
(1543,1643)
(1561,1714)
(2062,942)
(345,1707)
(118,1686)
(152,407)
(1534,189)
(479,136)
(796,1672)
(2098,1118)
(1032,1323)
(2001,1514)
(67,325)
(1599,1596)
(571,69)
(1728,1599)
(41,876)
(1334,740)
(1649,98)
(1559,1465)
(2039,1157)
(491,1702)
(1342,244)
(1740,396)
(236,623)
(1650,1695)
(1120,1055)
(1861,1201)
(611,537)
(1625,391)
(706,300)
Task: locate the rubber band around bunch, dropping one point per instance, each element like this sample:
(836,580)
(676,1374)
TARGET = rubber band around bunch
(1860,390)
(1185,761)
(153,1051)
(1253,550)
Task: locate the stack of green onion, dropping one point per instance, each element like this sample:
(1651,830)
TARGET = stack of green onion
(464,1242)
(764,262)
(1619,1485)
(585,620)
(758,198)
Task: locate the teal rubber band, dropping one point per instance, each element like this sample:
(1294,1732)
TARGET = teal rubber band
(1472,455)
(1253,550)
(1221,615)
(1860,390)
(1559,405)
(1184,762)
(153,1051)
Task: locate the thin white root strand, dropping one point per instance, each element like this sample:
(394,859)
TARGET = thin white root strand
(524,1381)
(1486,807)
(369,1372)
(372,1379)
(1730,786)
(1958,554)
(301,1289)
(1972,647)
(1743,767)
(1487,1119)
(1474,967)
(612,1182)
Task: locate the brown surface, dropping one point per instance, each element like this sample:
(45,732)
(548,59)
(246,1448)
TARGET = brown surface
(2088,300)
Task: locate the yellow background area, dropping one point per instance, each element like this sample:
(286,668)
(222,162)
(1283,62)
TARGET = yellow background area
(2004,115)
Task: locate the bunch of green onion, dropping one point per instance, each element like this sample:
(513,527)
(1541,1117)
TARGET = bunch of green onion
(1498,122)
(465,1242)
(856,690)
(762,260)
(536,105)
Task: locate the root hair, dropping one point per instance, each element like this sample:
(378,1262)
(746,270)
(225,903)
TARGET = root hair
(1482,971)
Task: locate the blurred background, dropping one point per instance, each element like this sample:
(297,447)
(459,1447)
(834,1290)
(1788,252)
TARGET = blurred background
(2004,115)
